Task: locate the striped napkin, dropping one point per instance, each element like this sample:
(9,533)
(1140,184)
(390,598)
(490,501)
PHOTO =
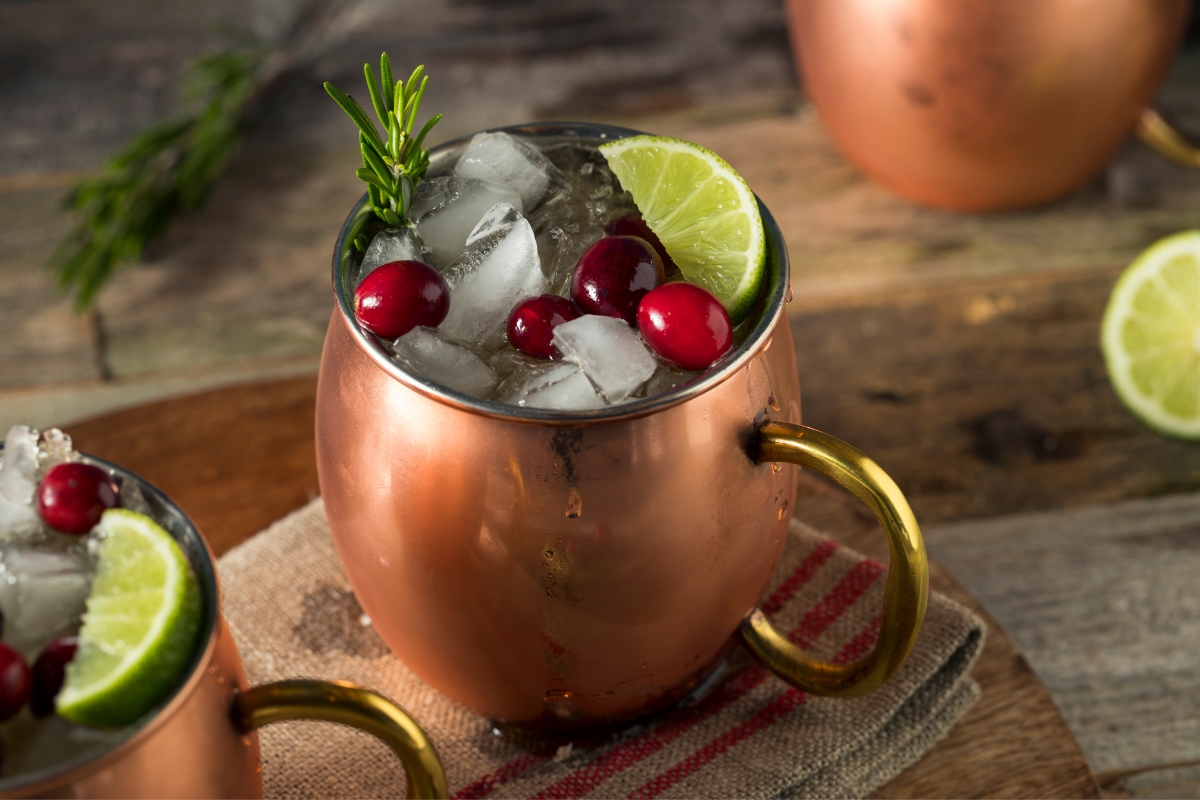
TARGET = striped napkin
(293,614)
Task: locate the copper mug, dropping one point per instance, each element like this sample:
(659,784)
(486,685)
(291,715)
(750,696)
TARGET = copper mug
(984,105)
(202,741)
(574,570)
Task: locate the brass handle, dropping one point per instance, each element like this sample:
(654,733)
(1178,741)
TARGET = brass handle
(353,705)
(904,597)
(1156,132)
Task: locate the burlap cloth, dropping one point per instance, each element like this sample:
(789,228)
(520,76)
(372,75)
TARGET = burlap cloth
(293,615)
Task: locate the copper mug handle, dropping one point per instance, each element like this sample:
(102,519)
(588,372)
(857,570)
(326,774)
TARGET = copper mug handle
(353,705)
(904,597)
(1156,132)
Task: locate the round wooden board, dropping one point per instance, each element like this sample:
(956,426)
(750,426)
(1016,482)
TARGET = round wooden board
(237,459)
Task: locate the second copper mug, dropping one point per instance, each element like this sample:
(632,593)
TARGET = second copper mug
(984,105)
(201,741)
(573,570)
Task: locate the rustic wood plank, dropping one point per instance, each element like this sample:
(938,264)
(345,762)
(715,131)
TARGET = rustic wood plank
(43,341)
(985,398)
(849,237)
(1005,745)
(1104,603)
(237,459)
(60,404)
(245,278)
(1167,781)
(234,459)
(80,77)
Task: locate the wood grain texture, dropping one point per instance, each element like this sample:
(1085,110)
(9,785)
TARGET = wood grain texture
(1105,604)
(1014,742)
(237,459)
(985,398)
(234,459)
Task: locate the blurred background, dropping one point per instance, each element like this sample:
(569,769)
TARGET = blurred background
(960,350)
(962,346)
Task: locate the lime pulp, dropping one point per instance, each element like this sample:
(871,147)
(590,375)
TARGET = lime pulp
(701,209)
(140,627)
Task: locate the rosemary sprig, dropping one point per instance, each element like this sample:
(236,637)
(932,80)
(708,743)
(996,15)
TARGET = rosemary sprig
(392,166)
(167,168)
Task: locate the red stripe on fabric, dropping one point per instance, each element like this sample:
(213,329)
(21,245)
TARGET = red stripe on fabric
(833,605)
(767,716)
(824,614)
(861,644)
(484,786)
(800,576)
(785,703)
(732,689)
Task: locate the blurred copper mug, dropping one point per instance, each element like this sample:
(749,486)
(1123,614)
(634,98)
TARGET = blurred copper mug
(984,105)
(572,570)
(201,741)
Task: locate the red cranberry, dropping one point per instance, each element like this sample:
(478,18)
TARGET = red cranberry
(49,671)
(614,274)
(15,681)
(73,496)
(400,295)
(531,324)
(634,225)
(685,325)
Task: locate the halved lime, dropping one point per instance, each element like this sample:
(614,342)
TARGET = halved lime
(1151,336)
(139,628)
(701,209)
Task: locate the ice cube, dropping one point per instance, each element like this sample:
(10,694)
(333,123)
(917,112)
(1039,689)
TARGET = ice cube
(567,223)
(499,268)
(430,353)
(133,499)
(501,158)
(390,244)
(19,468)
(508,360)
(559,249)
(591,185)
(18,520)
(56,449)
(558,385)
(43,591)
(610,353)
(446,210)
(665,379)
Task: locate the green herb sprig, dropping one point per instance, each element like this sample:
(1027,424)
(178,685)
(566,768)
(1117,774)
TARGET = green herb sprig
(167,168)
(392,166)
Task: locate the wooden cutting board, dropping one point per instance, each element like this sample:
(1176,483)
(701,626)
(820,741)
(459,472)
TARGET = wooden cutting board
(237,459)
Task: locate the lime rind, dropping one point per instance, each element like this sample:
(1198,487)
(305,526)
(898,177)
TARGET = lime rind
(1150,336)
(140,627)
(701,209)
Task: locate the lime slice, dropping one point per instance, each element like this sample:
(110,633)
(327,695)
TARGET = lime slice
(139,628)
(1151,336)
(704,213)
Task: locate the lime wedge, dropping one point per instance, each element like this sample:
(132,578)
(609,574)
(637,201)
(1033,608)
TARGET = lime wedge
(139,628)
(701,209)
(1151,336)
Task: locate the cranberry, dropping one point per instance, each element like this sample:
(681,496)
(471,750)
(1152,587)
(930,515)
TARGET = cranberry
(531,324)
(634,225)
(49,671)
(400,295)
(73,496)
(685,325)
(614,274)
(15,681)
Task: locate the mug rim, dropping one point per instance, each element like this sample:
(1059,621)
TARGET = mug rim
(775,295)
(200,556)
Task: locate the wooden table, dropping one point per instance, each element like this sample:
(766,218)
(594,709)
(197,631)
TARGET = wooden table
(238,459)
